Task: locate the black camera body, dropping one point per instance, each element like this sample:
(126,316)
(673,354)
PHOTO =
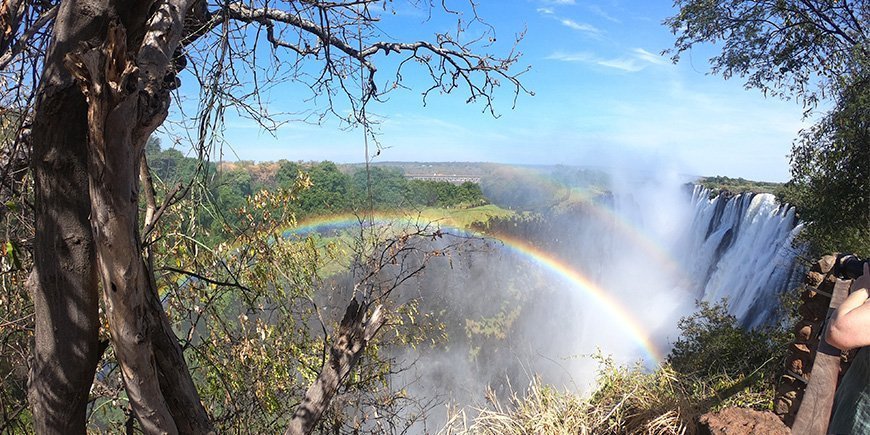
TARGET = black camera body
(849,266)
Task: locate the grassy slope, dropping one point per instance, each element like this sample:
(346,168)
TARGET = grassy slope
(338,246)
(464,217)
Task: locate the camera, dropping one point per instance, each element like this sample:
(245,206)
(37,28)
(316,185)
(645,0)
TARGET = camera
(849,266)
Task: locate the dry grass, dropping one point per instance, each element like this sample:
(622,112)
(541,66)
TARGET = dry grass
(627,400)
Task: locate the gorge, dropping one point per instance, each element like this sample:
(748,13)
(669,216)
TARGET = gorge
(551,295)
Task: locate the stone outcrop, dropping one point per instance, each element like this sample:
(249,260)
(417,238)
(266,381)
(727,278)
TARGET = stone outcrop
(741,421)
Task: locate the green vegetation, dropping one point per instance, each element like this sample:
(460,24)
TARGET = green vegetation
(464,217)
(324,189)
(712,344)
(831,176)
(542,189)
(738,185)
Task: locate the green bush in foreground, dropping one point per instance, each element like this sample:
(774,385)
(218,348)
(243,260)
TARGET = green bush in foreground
(712,343)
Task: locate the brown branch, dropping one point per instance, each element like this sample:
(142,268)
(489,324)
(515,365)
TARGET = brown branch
(21,44)
(206,279)
(240,11)
(834,29)
(454,64)
(357,329)
(170,201)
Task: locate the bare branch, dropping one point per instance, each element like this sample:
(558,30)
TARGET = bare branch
(23,41)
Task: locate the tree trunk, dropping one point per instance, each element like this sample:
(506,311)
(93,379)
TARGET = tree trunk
(356,330)
(125,105)
(63,283)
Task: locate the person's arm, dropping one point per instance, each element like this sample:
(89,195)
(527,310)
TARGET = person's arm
(850,324)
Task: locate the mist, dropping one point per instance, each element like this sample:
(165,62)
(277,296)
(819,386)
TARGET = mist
(512,312)
(602,266)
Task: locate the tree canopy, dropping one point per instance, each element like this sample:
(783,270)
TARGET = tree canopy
(790,48)
(814,51)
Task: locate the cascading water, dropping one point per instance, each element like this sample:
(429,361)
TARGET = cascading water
(740,248)
(610,273)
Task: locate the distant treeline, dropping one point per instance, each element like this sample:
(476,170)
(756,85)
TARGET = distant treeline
(739,185)
(330,190)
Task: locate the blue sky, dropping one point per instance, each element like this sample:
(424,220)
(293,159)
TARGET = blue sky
(604,96)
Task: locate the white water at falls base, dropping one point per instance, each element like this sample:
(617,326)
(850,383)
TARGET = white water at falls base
(740,248)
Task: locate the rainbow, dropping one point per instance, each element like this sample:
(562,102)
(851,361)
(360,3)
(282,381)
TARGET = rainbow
(613,307)
(653,250)
(625,318)
(344,220)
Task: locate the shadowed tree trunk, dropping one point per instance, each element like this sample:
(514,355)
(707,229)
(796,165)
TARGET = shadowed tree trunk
(87,143)
(128,97)
(63,284)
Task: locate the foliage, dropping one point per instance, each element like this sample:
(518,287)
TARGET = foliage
(738,185)
(542,189)
(326,188)
(781,47)
(254,311)
(16,328)
(831,176)
(711,343)
(465,217)
(170,165)
(16,309)
(714,364)
(627,400)
(523,189)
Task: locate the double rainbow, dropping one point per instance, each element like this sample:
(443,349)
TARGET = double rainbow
(611,305)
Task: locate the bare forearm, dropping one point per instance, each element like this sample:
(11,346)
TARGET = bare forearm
(850,323)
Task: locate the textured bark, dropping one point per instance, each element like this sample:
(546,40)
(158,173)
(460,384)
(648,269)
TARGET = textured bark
(63,283)
(106,74)
(125,105)
(356,330)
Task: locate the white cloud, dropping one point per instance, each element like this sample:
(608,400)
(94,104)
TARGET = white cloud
(621,63)
(637,59)
(561,2)
(583,27)
(650,57)
(546,11)
(601,13)
(572,57)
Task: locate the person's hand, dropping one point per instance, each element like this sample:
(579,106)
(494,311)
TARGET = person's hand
(863,281)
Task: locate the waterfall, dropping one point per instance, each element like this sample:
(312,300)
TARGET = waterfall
(739,247)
